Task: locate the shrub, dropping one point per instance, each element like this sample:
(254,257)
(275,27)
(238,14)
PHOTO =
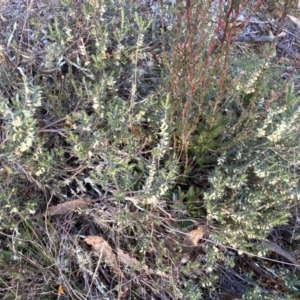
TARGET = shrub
(163,125)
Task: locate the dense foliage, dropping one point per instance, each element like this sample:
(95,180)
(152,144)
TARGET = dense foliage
(185,143)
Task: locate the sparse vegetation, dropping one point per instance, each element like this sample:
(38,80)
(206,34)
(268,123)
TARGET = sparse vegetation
(149,150)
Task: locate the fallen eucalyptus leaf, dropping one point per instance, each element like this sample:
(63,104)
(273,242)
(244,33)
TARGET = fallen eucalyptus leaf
(127,260)
(294,20)
(277,249)
(66,207)
(102,249)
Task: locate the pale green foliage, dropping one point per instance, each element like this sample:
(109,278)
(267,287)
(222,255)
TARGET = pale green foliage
(191,291)
(105,128)
(21,125)
(254,185)
(103,132)
(254,294)
(101,139)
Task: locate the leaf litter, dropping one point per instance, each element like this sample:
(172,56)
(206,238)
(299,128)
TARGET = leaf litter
(103,250)
(192,239)
(66,207)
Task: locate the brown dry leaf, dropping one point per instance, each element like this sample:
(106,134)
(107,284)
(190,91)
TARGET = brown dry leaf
(60,290)
(66,207)
(127,260)
(102,249)
(192,239)
(277,13)
(277,249)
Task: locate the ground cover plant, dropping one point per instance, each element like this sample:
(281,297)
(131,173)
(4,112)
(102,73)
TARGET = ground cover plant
(149,149)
